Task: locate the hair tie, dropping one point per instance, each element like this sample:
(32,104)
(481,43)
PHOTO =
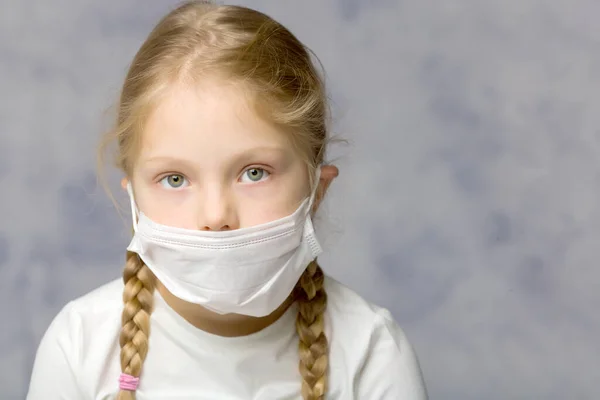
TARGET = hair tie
(128,382)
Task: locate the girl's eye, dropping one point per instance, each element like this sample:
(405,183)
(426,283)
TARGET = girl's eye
(254,175)
(174,181)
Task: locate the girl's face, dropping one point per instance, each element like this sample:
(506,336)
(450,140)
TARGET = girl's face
(208,162)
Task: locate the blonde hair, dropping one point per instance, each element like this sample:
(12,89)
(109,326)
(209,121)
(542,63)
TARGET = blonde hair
(245,47)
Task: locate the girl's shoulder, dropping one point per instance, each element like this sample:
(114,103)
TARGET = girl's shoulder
(105,298)
(369,345)
(347,307)
(97,306)
(77,344)
(100,307)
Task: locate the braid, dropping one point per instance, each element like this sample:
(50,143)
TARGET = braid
(313,348)
(138,303)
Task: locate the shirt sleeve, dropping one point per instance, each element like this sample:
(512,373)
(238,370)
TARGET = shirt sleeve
(53,376)
(391,370)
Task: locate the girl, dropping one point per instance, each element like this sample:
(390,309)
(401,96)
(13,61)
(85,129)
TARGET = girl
(221,136)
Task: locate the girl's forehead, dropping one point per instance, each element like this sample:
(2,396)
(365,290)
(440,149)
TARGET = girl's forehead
(212,120)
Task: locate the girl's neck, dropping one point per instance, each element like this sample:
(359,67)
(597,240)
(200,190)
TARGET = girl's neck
(230,325)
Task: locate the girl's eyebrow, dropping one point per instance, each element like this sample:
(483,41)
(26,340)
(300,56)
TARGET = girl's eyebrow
(171,160)
(258,152)
(246,154)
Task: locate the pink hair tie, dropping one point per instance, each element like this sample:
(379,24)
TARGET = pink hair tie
(128,382)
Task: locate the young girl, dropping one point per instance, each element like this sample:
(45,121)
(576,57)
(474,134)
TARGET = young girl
(221,136)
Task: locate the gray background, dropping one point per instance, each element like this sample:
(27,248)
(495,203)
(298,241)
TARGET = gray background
(467,201)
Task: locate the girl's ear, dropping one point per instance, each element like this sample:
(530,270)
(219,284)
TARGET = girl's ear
(328,174)
(124,183)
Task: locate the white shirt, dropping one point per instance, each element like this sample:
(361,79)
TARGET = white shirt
(78,358)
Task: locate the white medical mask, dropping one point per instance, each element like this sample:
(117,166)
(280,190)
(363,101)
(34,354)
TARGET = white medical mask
(248,271)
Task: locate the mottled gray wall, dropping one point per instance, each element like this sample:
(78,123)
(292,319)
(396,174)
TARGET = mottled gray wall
(467,201)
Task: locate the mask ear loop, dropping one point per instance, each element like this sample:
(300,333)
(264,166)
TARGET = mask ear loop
(134,211)
(315,189)
(309,230)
